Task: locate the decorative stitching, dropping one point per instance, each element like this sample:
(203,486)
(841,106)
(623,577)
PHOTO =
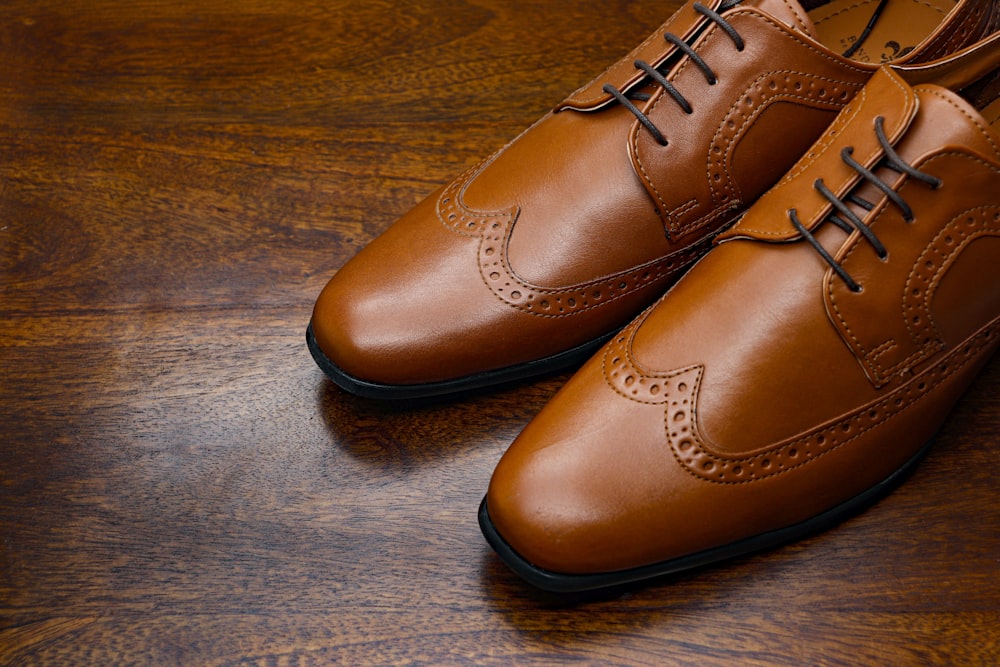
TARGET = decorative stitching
(678,389)
(674,226)
(696,457)
(929,345)
(844,118)
(766,101)
(918,317)
(836,129)
(795,12)
(955,36)
(459,218)
(494,229)
(625,377)
(974,120)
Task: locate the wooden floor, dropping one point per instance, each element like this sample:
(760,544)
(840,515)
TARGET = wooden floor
(179,485)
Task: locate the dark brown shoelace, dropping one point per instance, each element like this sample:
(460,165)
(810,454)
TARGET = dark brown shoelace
(656,75)
(846,219)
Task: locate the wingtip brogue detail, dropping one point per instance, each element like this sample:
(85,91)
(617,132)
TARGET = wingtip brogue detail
(706,462)
(508,287)
(729,187)
(677,391)
(562,236)
(456,215)
(897,106)
(777,87)
(494,229)
(938,180)
(629,381)
(778,387)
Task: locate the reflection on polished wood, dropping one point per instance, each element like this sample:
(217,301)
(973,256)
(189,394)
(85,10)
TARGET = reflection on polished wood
(178,482)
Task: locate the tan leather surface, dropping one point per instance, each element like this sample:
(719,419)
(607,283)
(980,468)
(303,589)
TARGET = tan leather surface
(895,102)
(760,390)
(572,229)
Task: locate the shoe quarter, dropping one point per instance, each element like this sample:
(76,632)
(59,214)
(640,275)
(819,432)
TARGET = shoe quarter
(898,321)
(771,102)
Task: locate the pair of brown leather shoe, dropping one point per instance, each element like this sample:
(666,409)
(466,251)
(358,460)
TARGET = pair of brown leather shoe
(796,371)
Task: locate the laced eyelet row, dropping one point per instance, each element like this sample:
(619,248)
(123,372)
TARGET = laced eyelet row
(846,219)
(658,77)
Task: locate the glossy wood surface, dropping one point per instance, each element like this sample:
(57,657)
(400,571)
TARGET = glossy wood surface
(179,485)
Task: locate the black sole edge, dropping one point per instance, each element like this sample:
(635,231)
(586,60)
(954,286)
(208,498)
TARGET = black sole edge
(502,376)
(573,583)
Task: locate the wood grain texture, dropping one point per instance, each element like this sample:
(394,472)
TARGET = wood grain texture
(178,483)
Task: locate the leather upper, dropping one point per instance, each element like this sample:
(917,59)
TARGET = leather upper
(565,234)
(762,390)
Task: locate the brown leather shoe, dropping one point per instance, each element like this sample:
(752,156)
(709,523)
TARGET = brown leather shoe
(534,257)
(793,374)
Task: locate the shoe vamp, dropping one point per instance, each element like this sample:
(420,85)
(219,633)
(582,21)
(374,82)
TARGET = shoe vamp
(581,211)
(752,317)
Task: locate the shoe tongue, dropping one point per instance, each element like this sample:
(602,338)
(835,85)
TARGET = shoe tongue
(789,12)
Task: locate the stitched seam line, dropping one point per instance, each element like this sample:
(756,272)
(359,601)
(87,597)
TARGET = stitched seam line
(669,266)
(967,349)
(922,352)
(965,113)
(711,30)
(757,111)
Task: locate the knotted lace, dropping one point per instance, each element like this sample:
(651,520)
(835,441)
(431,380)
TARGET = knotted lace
(846,219)
(658,77)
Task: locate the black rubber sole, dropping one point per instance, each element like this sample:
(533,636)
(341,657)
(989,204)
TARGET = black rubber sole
(498,377)
(575,583)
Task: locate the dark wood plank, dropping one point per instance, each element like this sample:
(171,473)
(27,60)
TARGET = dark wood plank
(179,484)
